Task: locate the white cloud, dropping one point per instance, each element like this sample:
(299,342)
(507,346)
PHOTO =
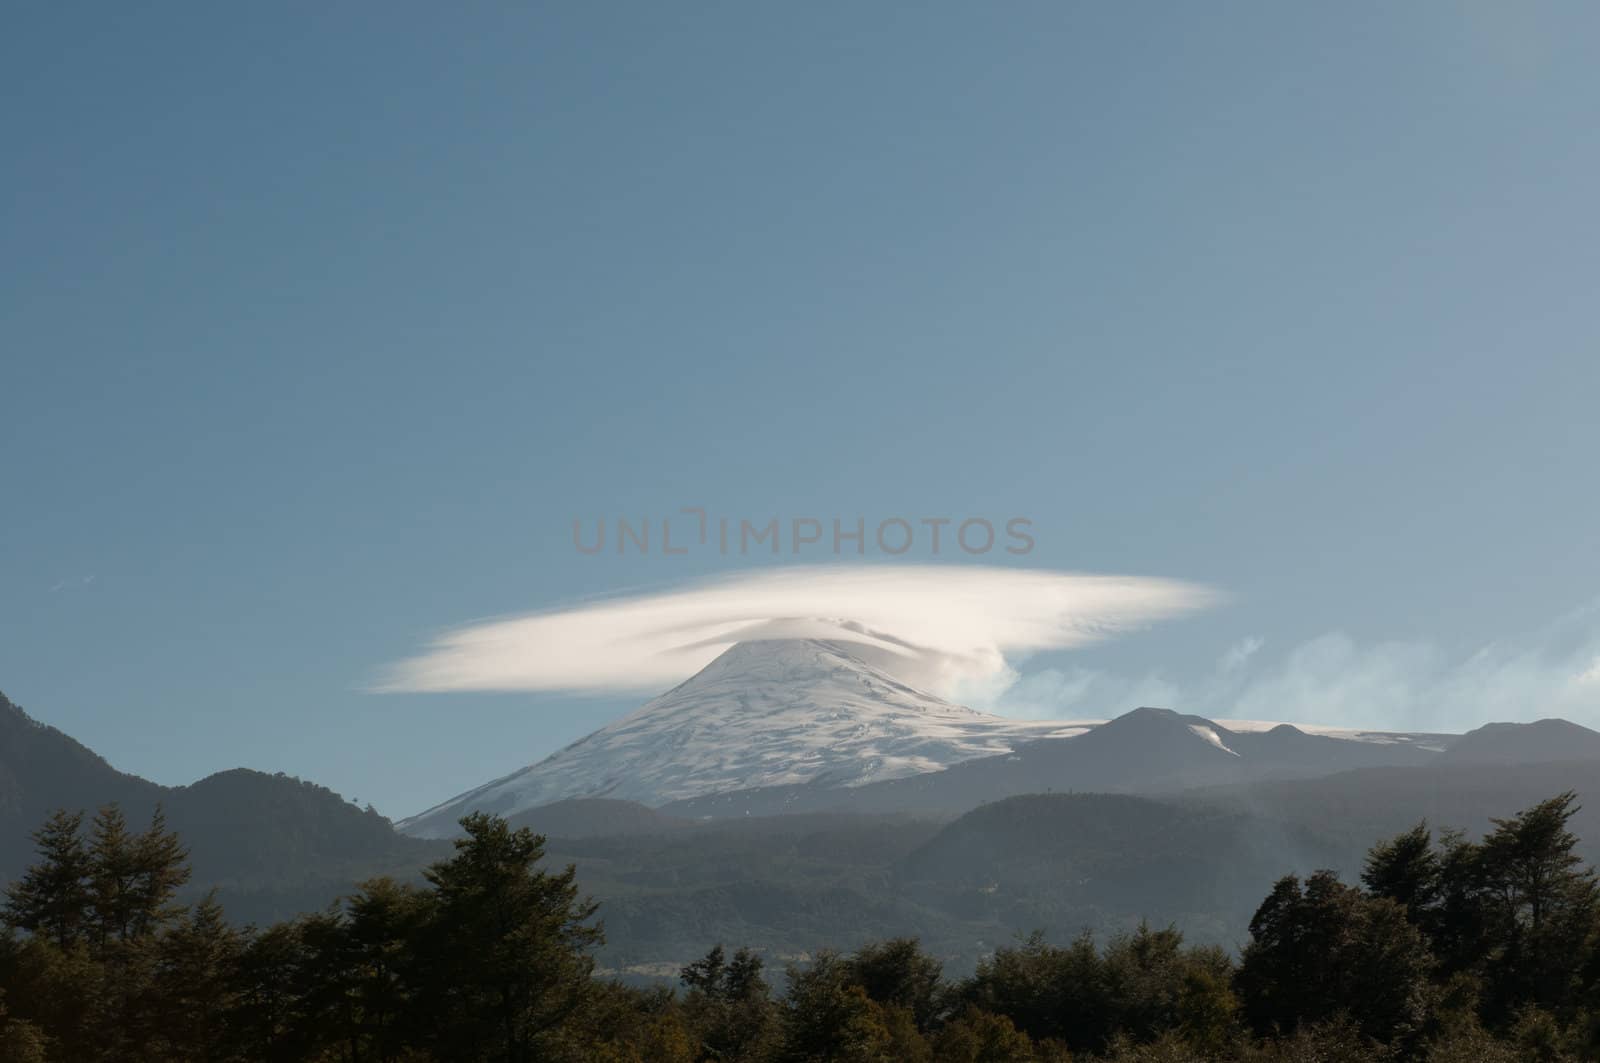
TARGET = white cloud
(947,628)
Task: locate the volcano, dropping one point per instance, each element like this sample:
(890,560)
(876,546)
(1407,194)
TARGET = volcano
(770,713)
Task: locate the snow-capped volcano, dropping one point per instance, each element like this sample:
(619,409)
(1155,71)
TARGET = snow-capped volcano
(768,713)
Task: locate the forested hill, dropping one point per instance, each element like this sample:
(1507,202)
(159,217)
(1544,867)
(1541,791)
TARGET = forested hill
(274,845)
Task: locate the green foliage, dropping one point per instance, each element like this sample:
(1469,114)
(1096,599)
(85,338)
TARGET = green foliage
(194,986)
(898,974)
(1140,986)
(1516,914)
(1405,869)
(1539,907)
(135,878)
(52,898)
(729,1006)
(977,1036)
(487,964)
(1471,1044)
(506,947)
(826,1017)
(21,1041)
(1455,951)
(1208,1011)
(1337,1040)
(1327,950)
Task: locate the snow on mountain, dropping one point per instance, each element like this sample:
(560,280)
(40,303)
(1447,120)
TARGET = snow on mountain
(766,713)
(1432,741)
(1210,735)
(1147,751)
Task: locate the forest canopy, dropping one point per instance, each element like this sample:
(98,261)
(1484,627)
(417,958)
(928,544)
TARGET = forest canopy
(1448,949)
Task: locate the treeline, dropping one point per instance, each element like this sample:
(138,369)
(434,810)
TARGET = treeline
(1450,950)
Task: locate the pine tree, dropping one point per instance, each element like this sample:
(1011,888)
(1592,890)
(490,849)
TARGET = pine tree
(53,897)
(382,923)
(134,878)
(506,956)
(266,1021)
(161,868)
(112,882)
(192,995)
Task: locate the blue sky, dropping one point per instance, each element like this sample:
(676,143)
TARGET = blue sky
(318,327)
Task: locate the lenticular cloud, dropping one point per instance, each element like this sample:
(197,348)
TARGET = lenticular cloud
(934,626)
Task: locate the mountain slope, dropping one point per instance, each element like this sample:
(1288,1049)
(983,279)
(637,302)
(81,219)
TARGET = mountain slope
(1362,806)
(42,769)
(769,713)
(1525,743)
(1148,750)
(596,817)
(274,845)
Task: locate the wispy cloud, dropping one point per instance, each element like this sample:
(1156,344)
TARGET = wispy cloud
(1337,679)
(941,627)
(71,584)
(1239,654)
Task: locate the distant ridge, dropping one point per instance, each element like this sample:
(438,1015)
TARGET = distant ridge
(274,844)
(1525,743)
(1148,751)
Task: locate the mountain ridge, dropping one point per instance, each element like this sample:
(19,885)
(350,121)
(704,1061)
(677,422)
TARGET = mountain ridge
(1145,751)
(276,845)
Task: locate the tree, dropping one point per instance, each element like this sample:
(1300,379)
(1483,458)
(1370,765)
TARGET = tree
(112,883)
(267,1022)
(192,995)
(135,878)
(1406,870)
(977,1036)
(1458,931)
(828,1019)
(505,955)
(382,922)
(1050,993)
(1142,982)
(1540,905)
(21,1041)
(325,997)
(729,1006)
(1207,1010)
(161,869)
(898,973)
(58,991)
(52,898)
(1327,949)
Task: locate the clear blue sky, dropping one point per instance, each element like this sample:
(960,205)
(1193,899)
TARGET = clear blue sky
(319,325)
